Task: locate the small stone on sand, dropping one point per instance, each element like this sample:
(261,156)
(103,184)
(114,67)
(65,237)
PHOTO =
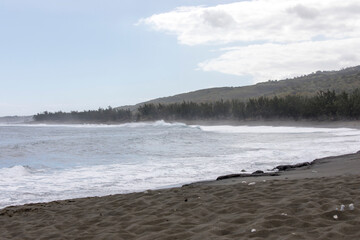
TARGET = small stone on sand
(351,206)
(342,207)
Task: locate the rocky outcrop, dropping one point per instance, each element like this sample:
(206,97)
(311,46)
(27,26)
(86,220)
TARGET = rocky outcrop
(291,167)
(254,174)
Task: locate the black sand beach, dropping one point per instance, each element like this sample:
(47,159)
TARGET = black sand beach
(304,203)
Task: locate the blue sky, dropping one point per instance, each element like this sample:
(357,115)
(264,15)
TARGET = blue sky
(78,55)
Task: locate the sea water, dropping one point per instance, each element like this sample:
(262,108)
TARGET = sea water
(40,163)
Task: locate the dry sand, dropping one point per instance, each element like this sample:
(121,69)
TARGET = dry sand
(299,204)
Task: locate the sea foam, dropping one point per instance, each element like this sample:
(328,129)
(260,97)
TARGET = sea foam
(49,162)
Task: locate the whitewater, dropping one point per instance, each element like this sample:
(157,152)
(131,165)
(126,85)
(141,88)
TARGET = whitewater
(40,163)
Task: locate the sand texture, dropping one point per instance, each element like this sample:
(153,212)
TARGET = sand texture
(299,204)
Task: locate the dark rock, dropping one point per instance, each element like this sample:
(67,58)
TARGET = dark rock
(243,170)
(304,164)
(290,167)
(283,167)
(258,172)
(239,175)
(233,176)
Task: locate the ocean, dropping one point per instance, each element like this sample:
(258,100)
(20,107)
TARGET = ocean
(40,163)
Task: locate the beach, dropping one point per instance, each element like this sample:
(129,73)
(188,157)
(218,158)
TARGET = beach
(180,120)
(319,201)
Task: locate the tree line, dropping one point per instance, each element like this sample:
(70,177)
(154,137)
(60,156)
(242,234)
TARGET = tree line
(92,116)
(326,105)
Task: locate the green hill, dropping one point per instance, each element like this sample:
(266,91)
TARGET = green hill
(344,80)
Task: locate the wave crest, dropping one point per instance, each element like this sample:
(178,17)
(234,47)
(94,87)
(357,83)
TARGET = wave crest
(160,123)
(17,171)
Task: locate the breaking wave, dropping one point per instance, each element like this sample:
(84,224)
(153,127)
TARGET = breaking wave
(51,162)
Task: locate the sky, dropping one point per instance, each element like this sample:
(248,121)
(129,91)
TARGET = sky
(85,54)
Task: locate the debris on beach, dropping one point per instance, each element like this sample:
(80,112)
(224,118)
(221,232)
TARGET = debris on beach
(253,230)
(252,183)
(336,217)
(342,207)
(351,206)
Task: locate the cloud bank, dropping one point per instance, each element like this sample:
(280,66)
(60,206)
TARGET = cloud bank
(279,61)
(275,38)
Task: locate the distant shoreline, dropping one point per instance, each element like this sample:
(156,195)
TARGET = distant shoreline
(284,123)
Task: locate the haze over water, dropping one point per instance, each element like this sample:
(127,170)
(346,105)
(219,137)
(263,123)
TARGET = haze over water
(50,162)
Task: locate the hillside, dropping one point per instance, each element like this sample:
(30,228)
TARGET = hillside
(343,80)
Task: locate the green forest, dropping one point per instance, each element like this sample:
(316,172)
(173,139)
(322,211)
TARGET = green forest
(91,116)
(308,85)
(325,105)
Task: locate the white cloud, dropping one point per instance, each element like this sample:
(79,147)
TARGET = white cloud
(290,31)
(304,12)
(260,20)
(277,61)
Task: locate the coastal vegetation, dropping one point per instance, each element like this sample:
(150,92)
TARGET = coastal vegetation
(92,116)
(325,105)
(304,97)
(345,80)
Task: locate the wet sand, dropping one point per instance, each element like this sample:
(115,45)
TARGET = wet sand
(304,203)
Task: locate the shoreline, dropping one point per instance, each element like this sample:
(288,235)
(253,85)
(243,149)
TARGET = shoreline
(299,204)
(331,166)
(278,123)
(275,123)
